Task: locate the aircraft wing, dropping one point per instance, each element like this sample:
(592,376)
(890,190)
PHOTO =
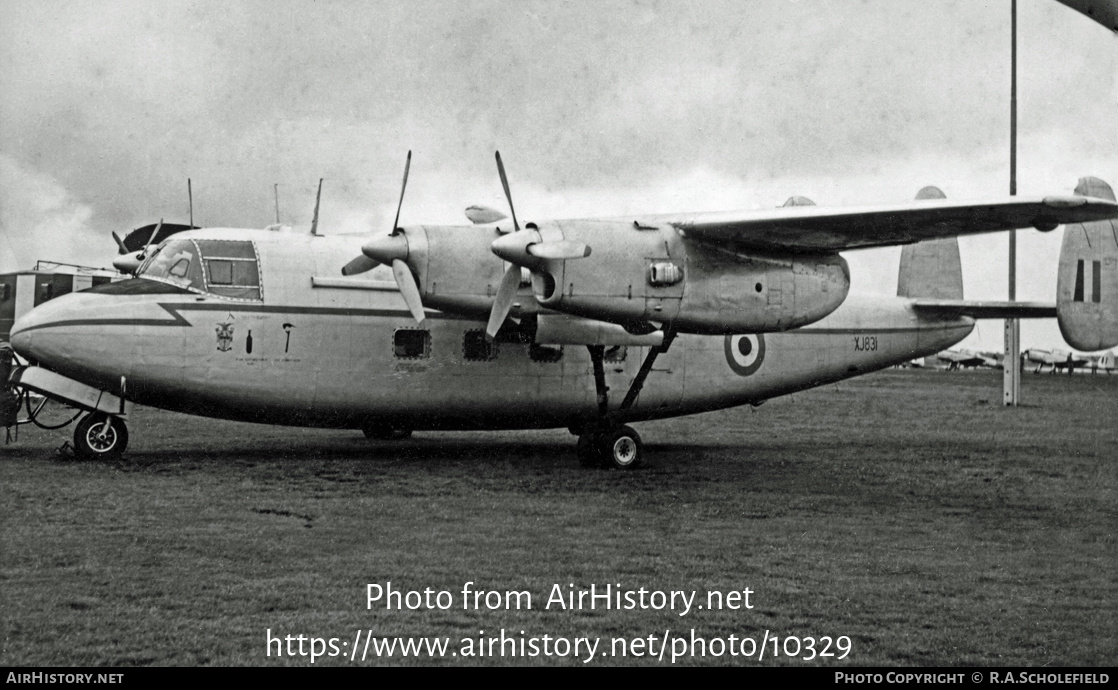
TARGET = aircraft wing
(961,358)
(815,229)
(980,309)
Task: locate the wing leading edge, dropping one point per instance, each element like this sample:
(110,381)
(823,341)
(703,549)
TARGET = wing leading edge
(803,229)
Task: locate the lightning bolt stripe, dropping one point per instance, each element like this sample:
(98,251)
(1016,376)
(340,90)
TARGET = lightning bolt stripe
(180,321)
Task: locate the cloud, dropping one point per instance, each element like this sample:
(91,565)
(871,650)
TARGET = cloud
(605,107)
(39,219)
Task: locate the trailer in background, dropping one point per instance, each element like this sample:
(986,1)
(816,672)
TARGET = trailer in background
(22,291)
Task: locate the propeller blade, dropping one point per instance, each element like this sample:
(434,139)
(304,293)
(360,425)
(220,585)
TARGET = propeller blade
(120,243)
(153,234)
(359,265)
(408,289)
(508,194)
(143,253)
(563,249)
(502,303)
(396,223)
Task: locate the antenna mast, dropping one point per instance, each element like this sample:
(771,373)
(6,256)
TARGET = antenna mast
(317,199)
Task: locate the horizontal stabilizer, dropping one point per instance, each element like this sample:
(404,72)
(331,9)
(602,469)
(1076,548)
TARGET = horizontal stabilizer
(953,308)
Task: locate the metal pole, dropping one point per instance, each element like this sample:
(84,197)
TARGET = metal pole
(1011,364)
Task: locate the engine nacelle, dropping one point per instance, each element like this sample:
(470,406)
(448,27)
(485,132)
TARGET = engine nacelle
(644,277)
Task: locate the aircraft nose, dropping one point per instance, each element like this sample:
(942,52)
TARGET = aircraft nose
(22,334)
(61,335)
(21,341)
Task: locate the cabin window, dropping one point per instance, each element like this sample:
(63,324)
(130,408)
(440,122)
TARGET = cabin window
(5,292)
(545,353)
(231,269)
(411,344)
(477,348)
(175,262)
(225,268)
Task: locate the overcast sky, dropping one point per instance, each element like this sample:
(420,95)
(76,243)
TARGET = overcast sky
(598,108)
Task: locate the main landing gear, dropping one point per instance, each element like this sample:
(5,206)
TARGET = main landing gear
(618,448)
(607,443)
(100,435)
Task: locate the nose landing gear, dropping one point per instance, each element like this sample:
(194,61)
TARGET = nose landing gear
(100,435)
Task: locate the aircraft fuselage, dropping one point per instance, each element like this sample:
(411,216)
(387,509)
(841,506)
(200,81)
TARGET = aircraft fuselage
(309,348)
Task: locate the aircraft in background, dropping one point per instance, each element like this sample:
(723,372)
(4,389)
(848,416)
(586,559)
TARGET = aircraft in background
(1057,359)
(588,324)
(1106,362)
(966,359)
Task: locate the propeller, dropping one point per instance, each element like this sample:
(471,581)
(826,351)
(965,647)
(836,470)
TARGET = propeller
(523,248)
(510,282)
(392,249)
(359,264)
(129,262)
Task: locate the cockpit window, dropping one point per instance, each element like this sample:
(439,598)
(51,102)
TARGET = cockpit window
(218,267)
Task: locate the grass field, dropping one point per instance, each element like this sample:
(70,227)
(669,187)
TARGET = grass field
(906,510)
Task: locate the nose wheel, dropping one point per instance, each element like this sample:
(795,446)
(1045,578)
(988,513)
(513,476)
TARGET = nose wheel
(100,435)
(617,448)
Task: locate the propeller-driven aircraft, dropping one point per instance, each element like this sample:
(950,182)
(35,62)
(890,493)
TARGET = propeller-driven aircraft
(964,359)
(589,324)
(1105,362)
(1057,359)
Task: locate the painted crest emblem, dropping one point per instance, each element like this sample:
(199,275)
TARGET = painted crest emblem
(225,335)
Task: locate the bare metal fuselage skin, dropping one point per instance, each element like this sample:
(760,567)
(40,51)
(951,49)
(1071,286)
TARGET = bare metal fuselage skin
(310,353)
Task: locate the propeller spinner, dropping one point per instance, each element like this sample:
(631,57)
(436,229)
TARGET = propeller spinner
(523,249)
(392,249)
(130,262)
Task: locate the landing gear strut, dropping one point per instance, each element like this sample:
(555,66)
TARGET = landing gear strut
(100,435)
(607,443)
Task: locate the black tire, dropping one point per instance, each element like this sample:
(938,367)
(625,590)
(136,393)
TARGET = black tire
(99,435)
(622,448)
(590,450)
(386,433)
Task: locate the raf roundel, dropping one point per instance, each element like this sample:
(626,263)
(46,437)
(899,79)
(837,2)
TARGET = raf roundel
(745,353)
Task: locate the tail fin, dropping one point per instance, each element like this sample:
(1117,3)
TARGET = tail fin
(931,268)
(1087,283)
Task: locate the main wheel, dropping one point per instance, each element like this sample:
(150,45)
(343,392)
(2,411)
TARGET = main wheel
(590,450)
(621,448)
(386,433)
(99,435)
